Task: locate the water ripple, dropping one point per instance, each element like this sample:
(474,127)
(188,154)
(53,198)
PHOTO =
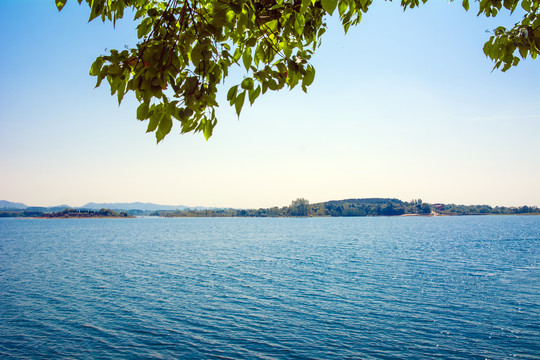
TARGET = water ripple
(349,288)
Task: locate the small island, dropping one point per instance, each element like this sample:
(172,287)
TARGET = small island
(70,213)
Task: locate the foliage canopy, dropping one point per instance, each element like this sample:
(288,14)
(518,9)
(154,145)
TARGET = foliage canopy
(186,48)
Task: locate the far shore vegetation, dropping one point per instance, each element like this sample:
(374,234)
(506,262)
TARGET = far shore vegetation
(85,213)
(298,208)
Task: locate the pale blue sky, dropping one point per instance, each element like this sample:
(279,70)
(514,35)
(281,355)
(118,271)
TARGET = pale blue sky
(404,106)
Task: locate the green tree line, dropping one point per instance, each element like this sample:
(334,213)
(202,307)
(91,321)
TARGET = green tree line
(356,207)
(299,208)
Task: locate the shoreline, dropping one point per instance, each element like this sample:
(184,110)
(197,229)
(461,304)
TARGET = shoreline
(261,217)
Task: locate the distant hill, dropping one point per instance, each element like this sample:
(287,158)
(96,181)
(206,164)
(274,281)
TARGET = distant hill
(48,208)
(8,205)
(11,205)
(132,206)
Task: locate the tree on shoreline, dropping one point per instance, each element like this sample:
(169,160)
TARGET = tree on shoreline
(299,207)
(187,47)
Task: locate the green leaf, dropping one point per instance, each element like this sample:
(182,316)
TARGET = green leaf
(114,82)
(487,48)
(96,66)
(523,51)
(196,54)
(231,94)
(247,83)
(115,69)
(309,77)
(292,79)
(466,5)
(154,121)
(97,8)
(271,84)
(140,13)
(259,55)
(142,111)
(237,55)
(99,80)
(246,58)
(342,7)
(254,94)
(287,51)
(144,27)
(272,25)
(165,126)
(299,23)
(191,84)
(60,4)
(329,5)
(239,102)
(305,5)
(102,75)
(121,91)
(219,16)
(230,16)
(208,128)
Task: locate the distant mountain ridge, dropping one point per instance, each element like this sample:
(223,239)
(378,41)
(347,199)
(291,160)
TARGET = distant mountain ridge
(134,206)
(4,204)
(8,205)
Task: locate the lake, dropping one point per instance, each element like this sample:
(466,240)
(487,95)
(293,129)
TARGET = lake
(281,288)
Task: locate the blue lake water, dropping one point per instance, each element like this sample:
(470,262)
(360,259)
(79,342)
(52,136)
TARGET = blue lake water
(407,287)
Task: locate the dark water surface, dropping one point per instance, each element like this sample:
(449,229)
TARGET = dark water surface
(409,288)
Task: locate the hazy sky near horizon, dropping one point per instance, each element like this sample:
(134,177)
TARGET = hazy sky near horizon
(405,105)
